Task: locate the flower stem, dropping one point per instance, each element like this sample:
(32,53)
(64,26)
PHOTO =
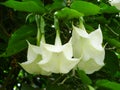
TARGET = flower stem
(56,23)
(40,28)
(81,23)
(42,25)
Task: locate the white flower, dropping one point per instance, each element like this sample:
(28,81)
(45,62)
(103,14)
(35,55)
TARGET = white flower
(115,3)
(33,57)
(98,0)
(89,48)
(57,58)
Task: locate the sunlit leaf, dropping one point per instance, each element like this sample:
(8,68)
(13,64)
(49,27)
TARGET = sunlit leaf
(28,6)
(108,84)
(113,42)
(67,13)
(86,8)
(39,2)
(105,8)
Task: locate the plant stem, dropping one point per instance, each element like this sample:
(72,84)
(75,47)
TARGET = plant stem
(56,23)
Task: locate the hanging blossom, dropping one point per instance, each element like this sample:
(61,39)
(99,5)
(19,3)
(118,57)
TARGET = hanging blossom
(57,58)
(89,48)
(34,55)
(46,58)
(115,3)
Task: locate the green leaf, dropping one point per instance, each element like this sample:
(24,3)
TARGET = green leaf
(84,78)
(90,87)
(86,8)
(17,42)
(105,8)
(67,13)
(57,4)
(28,6)
(39,2)
(111,63)
(112,41)
(108,84)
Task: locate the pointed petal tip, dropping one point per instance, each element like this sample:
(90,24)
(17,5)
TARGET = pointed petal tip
(58,40)
(99,27)
(27,41)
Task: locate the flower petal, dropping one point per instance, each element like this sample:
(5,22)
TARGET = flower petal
(90,52)
(32,67)
(67,49)
(77,41)
(96,39)
(57,58)
(58,63)
(89,48)
(80,31)
(115,3)
(52,47)
(32,52)
(89,66)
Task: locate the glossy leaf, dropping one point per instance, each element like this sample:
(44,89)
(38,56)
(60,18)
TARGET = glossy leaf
(108,84)
(104,8)
(17,42)
(86,8)
(84,78)
(28,6)
(39,2)
(67,13)
(113,42)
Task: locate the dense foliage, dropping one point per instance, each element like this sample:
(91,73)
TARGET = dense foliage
(18,24)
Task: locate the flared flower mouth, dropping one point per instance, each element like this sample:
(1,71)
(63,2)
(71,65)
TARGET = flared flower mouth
(81,32)
(46,58)
(90,66)
(58,58)
(33,57)
(89,48)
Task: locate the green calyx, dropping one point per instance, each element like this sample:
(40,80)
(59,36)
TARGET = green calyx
(40,28)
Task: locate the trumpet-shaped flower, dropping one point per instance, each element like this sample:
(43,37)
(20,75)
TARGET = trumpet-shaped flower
(33,57)
(57,58)
(115,3)
(89,48)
